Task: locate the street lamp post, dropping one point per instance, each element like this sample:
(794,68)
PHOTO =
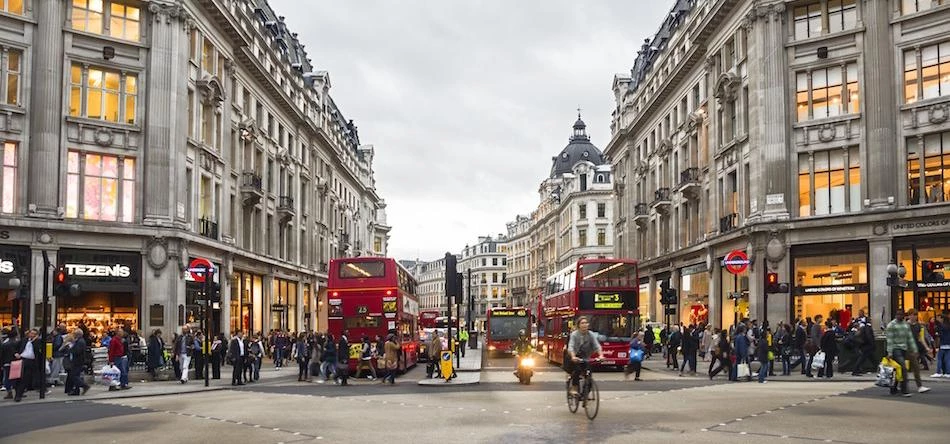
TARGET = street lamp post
(895,280)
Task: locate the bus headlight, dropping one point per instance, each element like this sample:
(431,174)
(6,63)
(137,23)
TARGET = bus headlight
(491,348)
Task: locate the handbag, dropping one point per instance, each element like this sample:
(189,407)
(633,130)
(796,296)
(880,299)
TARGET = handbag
(885,376)
(16,369)
(636,355)
(819,361)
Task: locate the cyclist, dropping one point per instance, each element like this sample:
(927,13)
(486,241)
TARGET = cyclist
(581,346)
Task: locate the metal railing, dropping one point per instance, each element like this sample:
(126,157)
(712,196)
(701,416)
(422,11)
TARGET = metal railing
(208,228)
(285,203)
(689,176)
(661,195)
(252,180)
(728,223)
(641,209)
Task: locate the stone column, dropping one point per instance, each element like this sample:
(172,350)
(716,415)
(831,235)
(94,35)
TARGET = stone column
(36,289)
(879,300)
(46,111)
(164,151)
(656,314)
(769,132)
(224,279)
(879,154)
(715,293)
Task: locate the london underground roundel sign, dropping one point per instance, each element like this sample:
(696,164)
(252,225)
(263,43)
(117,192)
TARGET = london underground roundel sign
(736,261)
(196,266)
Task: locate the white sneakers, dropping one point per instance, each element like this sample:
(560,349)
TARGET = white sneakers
(923,389)
(937,375)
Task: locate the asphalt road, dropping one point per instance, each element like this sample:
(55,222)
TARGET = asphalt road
(661,408)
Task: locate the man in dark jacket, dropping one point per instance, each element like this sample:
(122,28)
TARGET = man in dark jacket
(343,359)
(77,355)
(8,351)
(762,355)
(30,355)
(237,353)
(156,356)
(690,347)
(648,338)
(673,345)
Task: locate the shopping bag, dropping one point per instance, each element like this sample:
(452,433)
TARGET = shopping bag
(109,375)
(743,371)
(819,361)
(885,376)
(16,369)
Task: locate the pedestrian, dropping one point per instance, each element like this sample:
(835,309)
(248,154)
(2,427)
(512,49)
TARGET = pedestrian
(8,350)
(277,350)
(762,355)
(28,353)
(199,355)
(648,339)
(913,356)
(673,347)
(184,350)
(216,356)
(238,353)
(636,354)
(942,337)
(77,356)
(863,342)
(56,361)
(391,359)
(366,359)
(156,356)
(690,342)
(812,344)
(254,359)
(463,341)
(722,354)
(343,359)
(118,357)
(706,342)
(435,355)
(900,341)
(316,357)
(784,338)
(301,354)
(329,359)
(828,344)
(742,349)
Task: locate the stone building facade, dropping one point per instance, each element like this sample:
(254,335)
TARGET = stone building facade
(810,134)
(486,262)
(572,221)
(140,136)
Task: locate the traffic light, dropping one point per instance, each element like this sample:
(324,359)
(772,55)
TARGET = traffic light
(929,272)
(771,282)
(62,285)
(667,294)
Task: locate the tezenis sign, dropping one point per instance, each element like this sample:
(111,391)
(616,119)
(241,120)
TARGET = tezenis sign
(117,270)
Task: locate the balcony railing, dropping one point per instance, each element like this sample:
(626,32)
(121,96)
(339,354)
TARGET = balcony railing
(285,207)
(689,182)
(728,223)
(208,228)
(662,200)
(252,187)
(641,209)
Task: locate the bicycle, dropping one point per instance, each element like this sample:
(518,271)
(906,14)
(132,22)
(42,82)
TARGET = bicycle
(589,395)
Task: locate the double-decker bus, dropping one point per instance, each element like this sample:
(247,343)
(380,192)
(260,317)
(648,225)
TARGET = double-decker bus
(373,296)
(603,290)
(428,317)
(502,326)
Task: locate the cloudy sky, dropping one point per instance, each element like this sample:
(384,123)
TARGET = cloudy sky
(466,101)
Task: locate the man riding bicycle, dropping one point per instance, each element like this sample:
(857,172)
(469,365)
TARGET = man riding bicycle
(580,347)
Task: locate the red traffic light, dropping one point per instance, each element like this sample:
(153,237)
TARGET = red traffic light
(60,277)
(928,265)
(771,278)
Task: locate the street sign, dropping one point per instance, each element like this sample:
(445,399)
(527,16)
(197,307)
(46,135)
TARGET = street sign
(199,267)
(736,262)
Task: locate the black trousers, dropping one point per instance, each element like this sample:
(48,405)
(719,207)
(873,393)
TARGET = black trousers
(238,372)
(199,365)
(26,378)
(216,366)
(633,367)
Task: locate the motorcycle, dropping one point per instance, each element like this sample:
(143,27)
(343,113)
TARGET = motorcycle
(525,369)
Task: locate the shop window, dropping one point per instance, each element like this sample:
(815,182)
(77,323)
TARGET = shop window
(831,285)
(694,299)
(12,6)
(12,71)
(913,6)
(828,181)
(97,93)
(927,72)
(100,187)
(828,92)
(928,176)
(8,178)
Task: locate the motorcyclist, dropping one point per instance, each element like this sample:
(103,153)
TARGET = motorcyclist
(521,348)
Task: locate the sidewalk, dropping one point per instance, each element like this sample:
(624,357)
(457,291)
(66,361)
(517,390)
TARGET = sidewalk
(141,388)
(468,372)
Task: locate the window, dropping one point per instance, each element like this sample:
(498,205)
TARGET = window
(12,71)
(12,6)
(601,236)
(494,278)
(927,73)
(828,92)
(101,94)
(124,22)
(494,261)
(601,210)
(842,15)
(87,15)
(583,178)
(828,181)
(100,187)
(928,176)
(808,21)
(912,6)
(582,208)
(582,237)
(8,178)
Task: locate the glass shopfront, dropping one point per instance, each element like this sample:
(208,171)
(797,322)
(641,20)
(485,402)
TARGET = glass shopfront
(931,297)
(644,301)
(110,290)
(694,295)
(247,292)
(734,296)
(284,305)
(195,292)
(832,284)
(14,264)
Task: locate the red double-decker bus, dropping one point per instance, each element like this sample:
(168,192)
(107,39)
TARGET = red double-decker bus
(502,326)
(427,318)
(603,290)
(373,296)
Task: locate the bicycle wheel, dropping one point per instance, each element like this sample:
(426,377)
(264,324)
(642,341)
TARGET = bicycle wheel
(592,403)
(572,401)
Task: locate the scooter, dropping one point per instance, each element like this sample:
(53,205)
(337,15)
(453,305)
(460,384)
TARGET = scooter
(525,369)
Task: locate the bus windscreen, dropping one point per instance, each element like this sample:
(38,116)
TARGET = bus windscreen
(608,274)
(363,269)
(507,327)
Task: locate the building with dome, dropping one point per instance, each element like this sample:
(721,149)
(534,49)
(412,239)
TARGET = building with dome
(572,220)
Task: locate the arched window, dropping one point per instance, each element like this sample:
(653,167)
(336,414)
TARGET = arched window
(600,178)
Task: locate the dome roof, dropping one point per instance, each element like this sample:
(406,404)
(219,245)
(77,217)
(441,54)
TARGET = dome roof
(579,149)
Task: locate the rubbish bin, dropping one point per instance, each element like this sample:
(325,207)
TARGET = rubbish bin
(472,339)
